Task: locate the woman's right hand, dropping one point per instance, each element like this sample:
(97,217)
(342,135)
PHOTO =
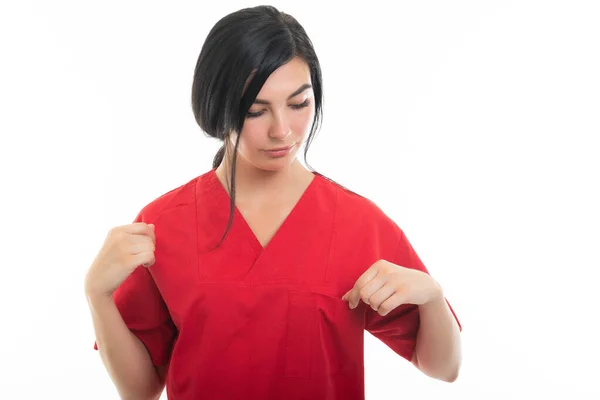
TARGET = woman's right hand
(126,247)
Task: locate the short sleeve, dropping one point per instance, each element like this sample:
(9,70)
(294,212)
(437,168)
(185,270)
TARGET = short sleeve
(398,329)
(145,313)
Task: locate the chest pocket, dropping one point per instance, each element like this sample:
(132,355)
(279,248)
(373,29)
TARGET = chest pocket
(323,337)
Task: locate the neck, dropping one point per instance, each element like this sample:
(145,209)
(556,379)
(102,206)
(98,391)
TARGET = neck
(254,182)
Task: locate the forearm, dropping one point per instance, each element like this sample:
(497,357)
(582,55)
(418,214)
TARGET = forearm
(123,354)
(438,349)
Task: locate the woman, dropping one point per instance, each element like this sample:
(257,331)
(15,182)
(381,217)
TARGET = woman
(257,279)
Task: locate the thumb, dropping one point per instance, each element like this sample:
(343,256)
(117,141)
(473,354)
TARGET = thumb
(151,226)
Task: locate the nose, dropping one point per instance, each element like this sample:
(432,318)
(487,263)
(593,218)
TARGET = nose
(280,129)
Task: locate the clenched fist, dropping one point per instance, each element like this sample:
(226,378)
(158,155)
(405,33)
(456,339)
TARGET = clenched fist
(125,248)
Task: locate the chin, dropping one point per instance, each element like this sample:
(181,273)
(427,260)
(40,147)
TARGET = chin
(274,164)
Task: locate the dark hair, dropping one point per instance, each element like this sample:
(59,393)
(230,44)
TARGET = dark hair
(249,42)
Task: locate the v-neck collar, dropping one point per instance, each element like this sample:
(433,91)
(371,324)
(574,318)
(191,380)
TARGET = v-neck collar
(254,243)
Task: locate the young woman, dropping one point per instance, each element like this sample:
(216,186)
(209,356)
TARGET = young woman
(258,278)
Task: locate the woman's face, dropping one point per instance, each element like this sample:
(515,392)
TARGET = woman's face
(279,119)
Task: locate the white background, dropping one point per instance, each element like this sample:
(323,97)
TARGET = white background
(473,124)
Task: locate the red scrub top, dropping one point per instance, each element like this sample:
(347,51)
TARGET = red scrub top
(241,321)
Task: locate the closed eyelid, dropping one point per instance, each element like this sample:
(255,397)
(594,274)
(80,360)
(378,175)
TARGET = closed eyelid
(296,107)
(306,101)
(299,91)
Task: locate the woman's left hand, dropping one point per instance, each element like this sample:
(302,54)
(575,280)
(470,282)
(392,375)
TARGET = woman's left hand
(385,286)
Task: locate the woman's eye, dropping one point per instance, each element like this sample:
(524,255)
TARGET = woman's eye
(254,114)
(301,105)
(293,106)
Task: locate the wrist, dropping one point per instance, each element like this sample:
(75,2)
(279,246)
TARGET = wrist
(436,294)
(97,297)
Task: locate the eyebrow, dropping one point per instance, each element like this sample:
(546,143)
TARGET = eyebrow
(296,93)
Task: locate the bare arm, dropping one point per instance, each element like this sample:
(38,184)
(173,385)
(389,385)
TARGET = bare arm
(438,350)
(123,354)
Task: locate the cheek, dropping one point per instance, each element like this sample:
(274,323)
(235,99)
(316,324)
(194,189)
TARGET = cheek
(299,125)
(301,122)
(252,136)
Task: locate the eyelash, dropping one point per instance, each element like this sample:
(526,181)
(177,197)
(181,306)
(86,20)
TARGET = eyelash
(294,106)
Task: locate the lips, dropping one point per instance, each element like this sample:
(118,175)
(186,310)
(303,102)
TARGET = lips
(280,149)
